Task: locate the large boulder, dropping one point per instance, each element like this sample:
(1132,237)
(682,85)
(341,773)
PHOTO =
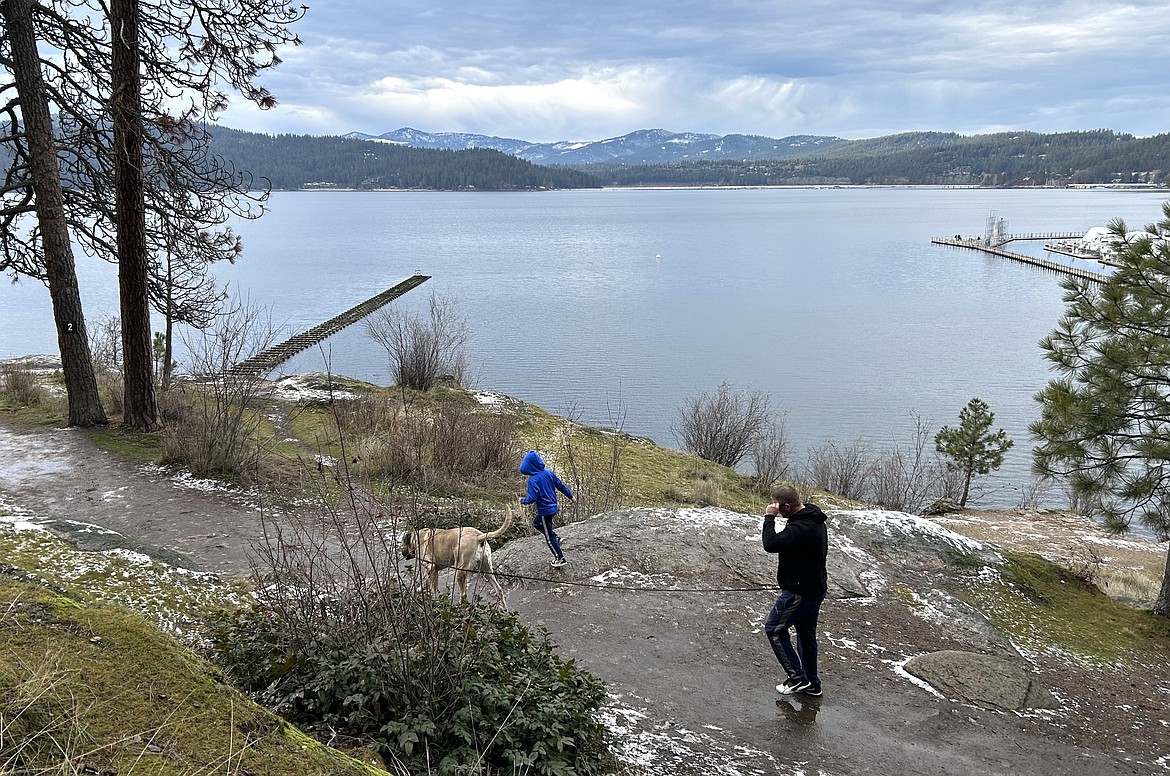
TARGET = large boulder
(696,548)
(987,681)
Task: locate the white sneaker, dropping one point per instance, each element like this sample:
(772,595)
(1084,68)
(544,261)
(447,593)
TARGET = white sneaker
(556,563)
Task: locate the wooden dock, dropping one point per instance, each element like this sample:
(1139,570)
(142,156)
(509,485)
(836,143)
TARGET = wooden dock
(267,360)
(978,244)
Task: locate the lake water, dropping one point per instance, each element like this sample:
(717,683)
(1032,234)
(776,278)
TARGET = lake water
(833,301)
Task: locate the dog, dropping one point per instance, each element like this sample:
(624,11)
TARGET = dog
(466,549)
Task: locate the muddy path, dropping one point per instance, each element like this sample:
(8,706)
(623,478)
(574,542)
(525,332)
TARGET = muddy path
(59,475)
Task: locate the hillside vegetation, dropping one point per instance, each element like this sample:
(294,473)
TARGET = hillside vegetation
(296,162)
(1006,159)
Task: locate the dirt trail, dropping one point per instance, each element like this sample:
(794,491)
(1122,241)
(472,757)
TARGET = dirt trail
(60,475)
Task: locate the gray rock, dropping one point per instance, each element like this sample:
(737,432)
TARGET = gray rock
(988,681)
(963,623)
(909,540)
(696,548)
(943,506)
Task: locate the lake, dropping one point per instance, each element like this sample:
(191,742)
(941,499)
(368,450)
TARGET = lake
(621,303)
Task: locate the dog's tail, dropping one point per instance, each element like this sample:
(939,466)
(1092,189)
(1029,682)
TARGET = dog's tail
(487,537)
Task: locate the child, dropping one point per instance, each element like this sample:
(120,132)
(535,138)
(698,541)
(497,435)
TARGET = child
(543,485)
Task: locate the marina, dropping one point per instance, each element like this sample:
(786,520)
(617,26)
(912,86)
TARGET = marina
(981,244)
(996,236)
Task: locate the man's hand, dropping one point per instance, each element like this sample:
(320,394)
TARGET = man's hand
(773,509)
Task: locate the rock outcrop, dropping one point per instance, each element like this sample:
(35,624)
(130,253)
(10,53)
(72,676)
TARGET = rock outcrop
(712,549)
(988,681)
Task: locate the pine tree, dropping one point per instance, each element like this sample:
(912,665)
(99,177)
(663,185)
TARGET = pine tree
(1105,423)
(972,448)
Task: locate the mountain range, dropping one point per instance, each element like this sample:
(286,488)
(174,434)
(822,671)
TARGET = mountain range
(645,146)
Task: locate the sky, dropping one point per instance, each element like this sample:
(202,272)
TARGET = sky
(550,70)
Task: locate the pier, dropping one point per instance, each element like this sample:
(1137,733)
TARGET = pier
(994,247)
(267,360)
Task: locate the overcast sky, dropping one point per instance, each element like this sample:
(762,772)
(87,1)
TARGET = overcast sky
(547,70)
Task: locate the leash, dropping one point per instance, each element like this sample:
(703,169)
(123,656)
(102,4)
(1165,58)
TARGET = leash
(624,588)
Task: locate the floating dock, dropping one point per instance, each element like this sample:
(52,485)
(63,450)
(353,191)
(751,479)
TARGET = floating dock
(996,249)
(265,361)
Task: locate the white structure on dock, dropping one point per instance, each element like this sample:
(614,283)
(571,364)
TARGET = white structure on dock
(995,234)
(1099,243)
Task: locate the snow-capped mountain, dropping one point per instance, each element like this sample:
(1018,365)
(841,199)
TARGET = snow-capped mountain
(645,146)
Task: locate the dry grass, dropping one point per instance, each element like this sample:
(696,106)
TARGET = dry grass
(1130,568)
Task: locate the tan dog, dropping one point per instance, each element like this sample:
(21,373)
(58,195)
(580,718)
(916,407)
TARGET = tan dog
(465,549)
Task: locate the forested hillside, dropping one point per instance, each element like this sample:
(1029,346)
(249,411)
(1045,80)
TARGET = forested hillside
(915,158)
(306,162)
(932,158)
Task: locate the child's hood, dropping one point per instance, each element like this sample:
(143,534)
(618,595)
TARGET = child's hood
(531,464)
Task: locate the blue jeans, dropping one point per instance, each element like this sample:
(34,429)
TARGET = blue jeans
(798,613)
(544,524)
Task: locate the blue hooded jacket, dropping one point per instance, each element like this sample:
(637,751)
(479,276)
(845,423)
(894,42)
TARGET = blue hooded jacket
(543,485)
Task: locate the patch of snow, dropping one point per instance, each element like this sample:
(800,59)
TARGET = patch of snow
(900,669)
(623,576)
(491,398)
(890,522)
(665,747)
(116,493)
(293,389)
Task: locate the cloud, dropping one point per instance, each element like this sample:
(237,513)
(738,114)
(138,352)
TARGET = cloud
(855,68)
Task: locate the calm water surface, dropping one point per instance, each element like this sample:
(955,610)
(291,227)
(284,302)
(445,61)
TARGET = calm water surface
(621,303)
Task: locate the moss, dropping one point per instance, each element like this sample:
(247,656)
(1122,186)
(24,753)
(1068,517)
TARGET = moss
(1042,606)
(127,443)
(964,560)
(106,689)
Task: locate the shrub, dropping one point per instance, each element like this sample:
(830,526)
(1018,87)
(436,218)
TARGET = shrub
(21,385)
(214,428)
(442,446)
(841,470)
(422,349)
(439,687)
(591,462)
(772,452)
(721,427)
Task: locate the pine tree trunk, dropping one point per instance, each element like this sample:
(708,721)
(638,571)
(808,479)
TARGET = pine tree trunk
(85,406)
(966,488)
(1162,604)
(141,410)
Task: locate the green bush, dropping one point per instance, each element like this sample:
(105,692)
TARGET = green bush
(436,686)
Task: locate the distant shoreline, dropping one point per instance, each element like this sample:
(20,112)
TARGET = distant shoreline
(701,187)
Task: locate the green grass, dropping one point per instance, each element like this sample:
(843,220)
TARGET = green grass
(1044,607)
(132,445)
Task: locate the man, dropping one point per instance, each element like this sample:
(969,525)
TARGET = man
(802,548)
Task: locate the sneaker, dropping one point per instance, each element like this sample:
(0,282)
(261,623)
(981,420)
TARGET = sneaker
(813,689)
(793,685)
(556,563)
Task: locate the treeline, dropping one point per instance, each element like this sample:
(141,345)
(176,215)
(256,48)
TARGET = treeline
(1006,159)
(295,162)
(932,158)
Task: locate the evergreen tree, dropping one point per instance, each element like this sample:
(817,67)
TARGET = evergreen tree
(1105,423)
(972,448)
